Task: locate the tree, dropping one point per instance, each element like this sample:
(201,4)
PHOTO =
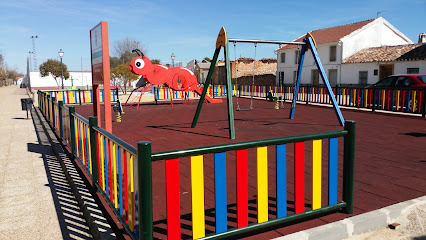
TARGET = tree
(123,49)
(114,62)
(155,61)
(2,68)
(122,75)
(53,67)
(207,59)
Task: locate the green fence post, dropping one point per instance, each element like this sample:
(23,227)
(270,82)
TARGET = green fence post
(93,122)
(39,99)
(45,105)
(61,123)
(53,114)
(42,102)
(307,94)
(373,106)
(145,190)
(79,96)
(424,103)
(348,166)
(155,94)
(72,130)
(48,108)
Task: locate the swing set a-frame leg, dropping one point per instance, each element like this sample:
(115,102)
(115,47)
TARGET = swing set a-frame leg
(222,41)
(309,43)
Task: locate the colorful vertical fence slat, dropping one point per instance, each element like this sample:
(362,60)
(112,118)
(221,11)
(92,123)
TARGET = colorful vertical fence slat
(220,192)
(197,185)
(242,192)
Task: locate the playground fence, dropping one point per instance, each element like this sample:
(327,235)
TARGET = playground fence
(162,93)
(388,99)
(123,175)
(79,96)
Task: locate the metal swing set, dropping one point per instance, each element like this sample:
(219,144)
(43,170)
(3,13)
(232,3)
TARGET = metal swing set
(308,43)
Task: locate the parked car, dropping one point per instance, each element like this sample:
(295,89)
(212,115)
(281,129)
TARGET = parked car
(403,81)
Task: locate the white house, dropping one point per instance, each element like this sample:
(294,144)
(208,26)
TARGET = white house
(334,45)
(373,64)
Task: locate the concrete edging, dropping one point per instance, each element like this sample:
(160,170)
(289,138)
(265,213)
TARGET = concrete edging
(358,224)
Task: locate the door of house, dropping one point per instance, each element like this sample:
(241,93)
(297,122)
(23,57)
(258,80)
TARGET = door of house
(315,77)
(385,70)
(281,79)
(332,77)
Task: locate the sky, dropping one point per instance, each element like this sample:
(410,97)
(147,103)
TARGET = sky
(186,28)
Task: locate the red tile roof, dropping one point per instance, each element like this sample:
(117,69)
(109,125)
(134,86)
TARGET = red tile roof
(389,54)
(332,34)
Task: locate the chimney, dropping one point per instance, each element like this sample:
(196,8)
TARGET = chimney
(422,38)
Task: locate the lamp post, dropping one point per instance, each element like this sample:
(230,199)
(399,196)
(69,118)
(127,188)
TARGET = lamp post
(173,59)
(61,54)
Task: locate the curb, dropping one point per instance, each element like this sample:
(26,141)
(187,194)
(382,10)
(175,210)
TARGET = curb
(358,224)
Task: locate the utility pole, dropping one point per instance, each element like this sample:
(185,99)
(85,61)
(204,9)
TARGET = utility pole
(34,54)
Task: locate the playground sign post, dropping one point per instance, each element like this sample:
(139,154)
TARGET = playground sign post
(99,52)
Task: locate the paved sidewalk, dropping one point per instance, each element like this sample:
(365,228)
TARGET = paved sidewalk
(27,209)
(36,201)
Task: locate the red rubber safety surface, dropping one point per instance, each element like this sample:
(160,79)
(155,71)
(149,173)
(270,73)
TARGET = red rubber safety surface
(390,157)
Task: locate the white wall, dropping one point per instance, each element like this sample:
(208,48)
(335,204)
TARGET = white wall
(350,71)
(80,80)
(375,34)
(191,65)
(400,67)
(309,64)
(37,81)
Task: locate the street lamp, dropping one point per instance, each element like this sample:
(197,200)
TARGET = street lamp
(173,59)
(61,54)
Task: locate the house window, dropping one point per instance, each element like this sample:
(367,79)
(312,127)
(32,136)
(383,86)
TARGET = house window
(282,57)
(296,57)
(363,77)
(412,70)
(332,53)
(315,77)
(376,71)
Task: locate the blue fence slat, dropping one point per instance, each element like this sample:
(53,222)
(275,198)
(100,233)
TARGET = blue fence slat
(281,180)
(332,171)
(220,191)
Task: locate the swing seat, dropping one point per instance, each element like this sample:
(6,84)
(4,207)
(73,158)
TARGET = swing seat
(245,109)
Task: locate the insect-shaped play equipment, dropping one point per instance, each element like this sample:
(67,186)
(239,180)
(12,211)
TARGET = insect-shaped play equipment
(175,78)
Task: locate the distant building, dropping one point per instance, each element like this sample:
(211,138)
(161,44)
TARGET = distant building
(77,79)
(373,64)
(191,64)
(263,69)
(334,46)
(201,70)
